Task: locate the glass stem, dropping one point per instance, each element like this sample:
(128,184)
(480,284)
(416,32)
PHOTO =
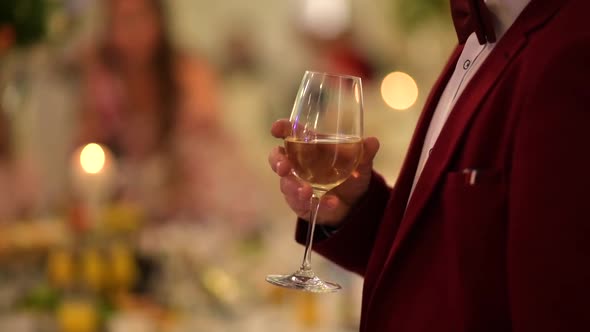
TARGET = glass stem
(314,208)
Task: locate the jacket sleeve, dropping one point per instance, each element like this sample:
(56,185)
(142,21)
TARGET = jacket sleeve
(549,200)
(350,245)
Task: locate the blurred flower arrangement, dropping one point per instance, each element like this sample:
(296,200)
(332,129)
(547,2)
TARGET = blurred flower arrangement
(22,22)
(27,22)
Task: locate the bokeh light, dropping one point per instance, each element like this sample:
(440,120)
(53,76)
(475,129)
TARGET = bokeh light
(399,90)
(92,158)
(325,18)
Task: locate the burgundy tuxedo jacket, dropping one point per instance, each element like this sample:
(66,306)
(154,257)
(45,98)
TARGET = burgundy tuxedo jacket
(511,250)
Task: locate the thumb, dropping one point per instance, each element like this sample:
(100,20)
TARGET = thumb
(370,148)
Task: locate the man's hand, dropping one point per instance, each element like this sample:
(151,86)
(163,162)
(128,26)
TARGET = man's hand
(337,202)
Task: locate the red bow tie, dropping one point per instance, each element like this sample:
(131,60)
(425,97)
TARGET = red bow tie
(473,16)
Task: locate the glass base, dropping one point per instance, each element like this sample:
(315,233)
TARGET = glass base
(303,281)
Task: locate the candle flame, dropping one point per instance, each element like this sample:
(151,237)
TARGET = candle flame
(92,158)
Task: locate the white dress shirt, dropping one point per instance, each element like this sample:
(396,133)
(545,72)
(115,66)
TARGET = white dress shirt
(504,12)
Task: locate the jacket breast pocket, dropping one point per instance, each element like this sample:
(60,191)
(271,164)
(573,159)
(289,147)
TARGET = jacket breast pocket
(474,209)
(473,196)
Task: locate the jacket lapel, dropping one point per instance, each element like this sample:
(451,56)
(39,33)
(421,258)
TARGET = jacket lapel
(538,12)
(405,180)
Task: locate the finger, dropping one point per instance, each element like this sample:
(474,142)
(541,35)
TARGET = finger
(284,167)
(275,156)
(281,128)
(329,202)
(278,161)
(290,185)
(301,201)
(370,148)
(305,192)
(299,206)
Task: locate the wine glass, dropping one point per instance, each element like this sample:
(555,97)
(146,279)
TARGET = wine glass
(324,147)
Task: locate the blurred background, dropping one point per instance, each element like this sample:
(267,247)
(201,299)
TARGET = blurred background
(135,193)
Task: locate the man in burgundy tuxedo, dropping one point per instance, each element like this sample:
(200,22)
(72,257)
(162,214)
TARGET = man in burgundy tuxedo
(488,225)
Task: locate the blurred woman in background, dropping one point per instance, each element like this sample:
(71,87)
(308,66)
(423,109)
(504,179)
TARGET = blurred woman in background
(19,185)
(153,107)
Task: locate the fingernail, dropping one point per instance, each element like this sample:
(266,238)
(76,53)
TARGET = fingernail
(330,203)
(300,193)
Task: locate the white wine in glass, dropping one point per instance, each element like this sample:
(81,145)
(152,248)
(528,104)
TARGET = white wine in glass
(324,147)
